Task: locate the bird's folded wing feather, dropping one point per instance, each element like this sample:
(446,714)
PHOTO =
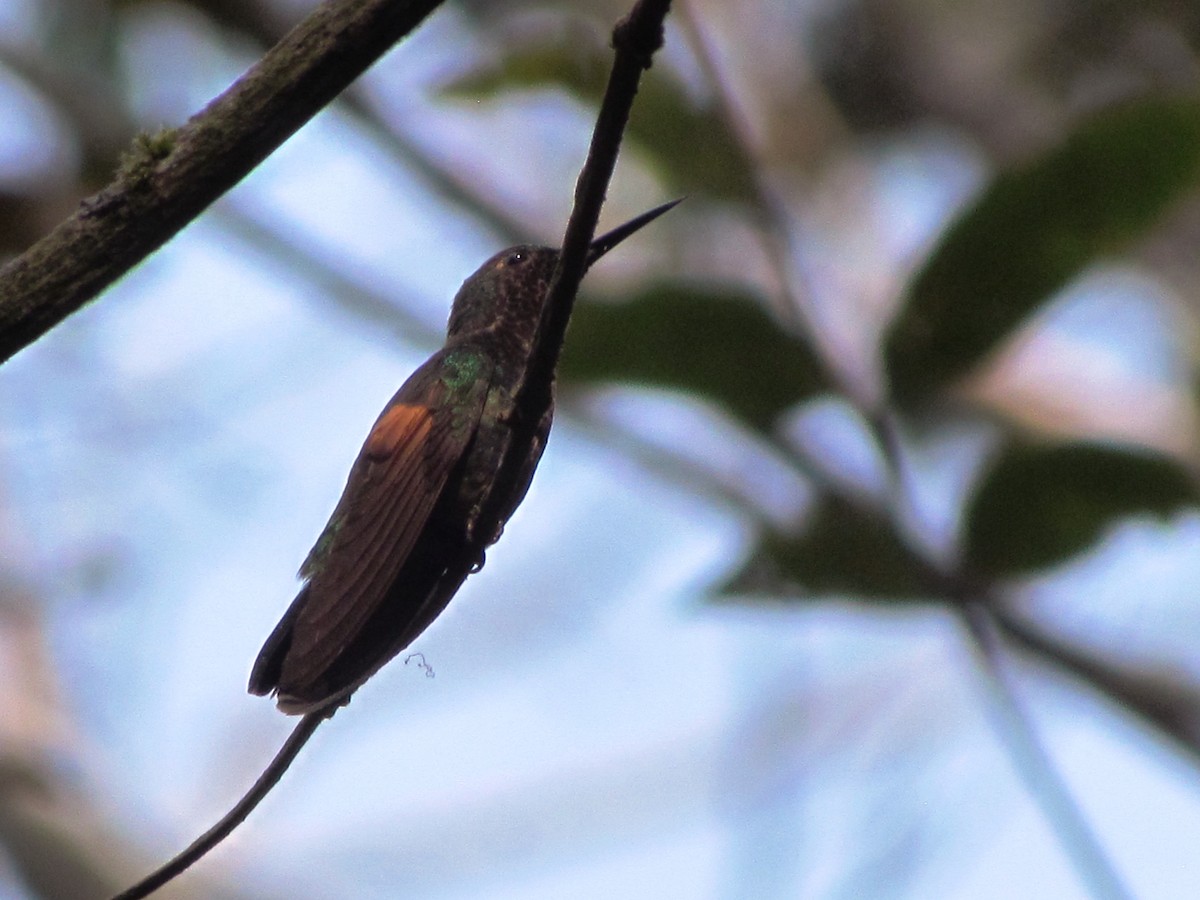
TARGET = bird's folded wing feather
(392,490)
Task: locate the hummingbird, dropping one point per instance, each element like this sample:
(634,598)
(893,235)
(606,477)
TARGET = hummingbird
(424,500)
(410,524)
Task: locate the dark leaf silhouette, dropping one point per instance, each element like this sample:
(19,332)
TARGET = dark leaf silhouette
(846,549)
(693,144)
(720,346)
(1038,506)
(1033,230)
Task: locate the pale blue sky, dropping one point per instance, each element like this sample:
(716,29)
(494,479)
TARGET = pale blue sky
(594,729)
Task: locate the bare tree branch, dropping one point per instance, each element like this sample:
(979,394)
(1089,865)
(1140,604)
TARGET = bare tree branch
(275,770)
(636,39)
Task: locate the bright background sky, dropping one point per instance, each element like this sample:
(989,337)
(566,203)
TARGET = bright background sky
(593,728)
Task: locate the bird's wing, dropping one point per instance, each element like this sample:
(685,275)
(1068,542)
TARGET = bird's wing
(392,489)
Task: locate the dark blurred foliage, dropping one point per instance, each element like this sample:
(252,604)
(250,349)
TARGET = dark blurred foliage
(1083,121)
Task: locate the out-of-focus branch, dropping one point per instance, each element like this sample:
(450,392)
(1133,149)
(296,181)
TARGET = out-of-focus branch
(265,23)
(100,120)
(1033,762)
(170,177)
(1166,704)
(769,208)
(304,257)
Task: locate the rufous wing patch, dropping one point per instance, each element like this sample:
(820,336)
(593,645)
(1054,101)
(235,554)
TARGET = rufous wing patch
(400,425)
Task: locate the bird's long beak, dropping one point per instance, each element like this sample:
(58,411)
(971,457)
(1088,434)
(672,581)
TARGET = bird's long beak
(606,242)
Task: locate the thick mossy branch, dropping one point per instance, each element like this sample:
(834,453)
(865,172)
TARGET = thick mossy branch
(170,177)
(138,164)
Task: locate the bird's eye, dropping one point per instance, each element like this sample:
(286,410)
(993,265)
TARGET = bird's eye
(515,257)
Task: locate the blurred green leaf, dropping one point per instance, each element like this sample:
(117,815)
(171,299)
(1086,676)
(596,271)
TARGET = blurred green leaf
(537,65)
(1033,230)
(1038,506)
(845,550)
(720,346)
(692,145)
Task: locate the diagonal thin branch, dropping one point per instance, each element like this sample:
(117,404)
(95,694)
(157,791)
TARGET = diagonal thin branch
(636,39)
(270,776)
(1033,762)
(1168,705)
(170,178)
(306,258)
(769,209)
